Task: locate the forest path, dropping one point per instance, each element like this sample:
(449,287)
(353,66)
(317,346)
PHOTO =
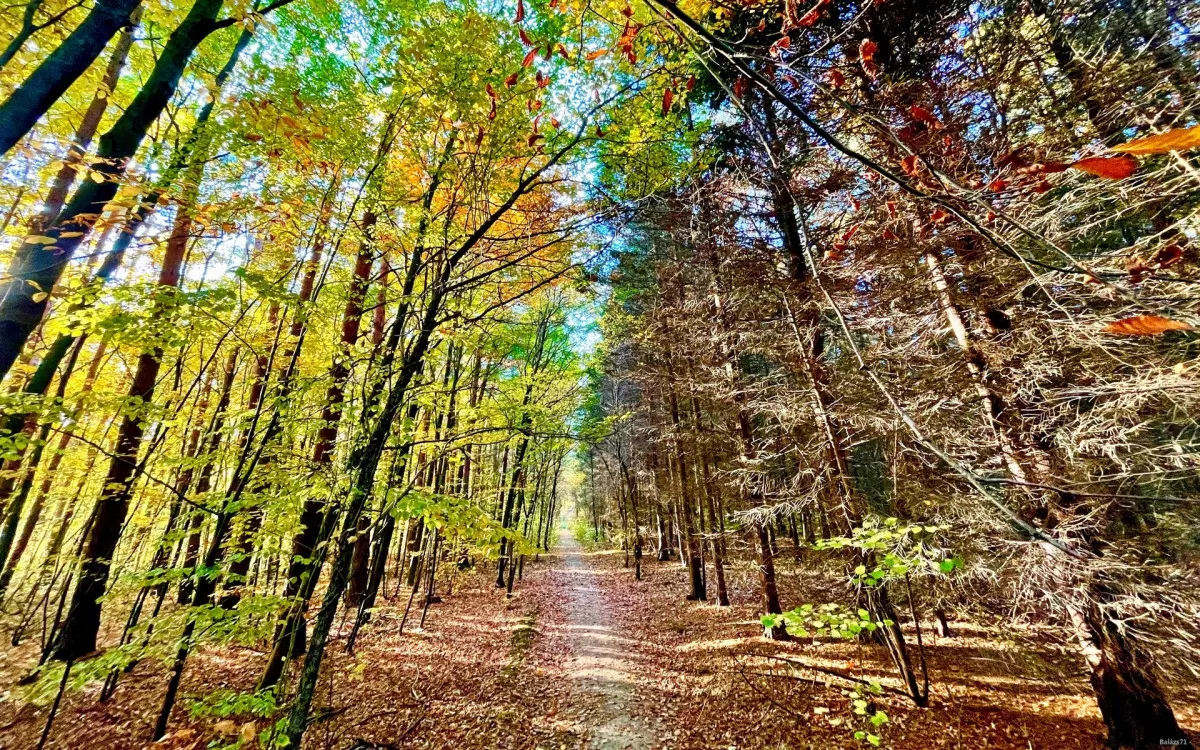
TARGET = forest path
(599,666)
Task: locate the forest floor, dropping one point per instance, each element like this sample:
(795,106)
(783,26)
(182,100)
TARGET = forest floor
(584,656)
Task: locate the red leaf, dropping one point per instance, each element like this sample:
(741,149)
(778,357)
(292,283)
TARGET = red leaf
(1168,256)
(739,87)
(691,83)
(997,185)
(525,38)
(1110,168)
(910,164)
(836,78)
(668,97)
(939,216)
(492,113)
(920,114)
(520,11)
(866,57)
(511,80)
(1146,325)
(529,58)
(491,91)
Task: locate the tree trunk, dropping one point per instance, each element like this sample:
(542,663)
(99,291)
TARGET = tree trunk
(86,131)
(79,632)
(36,267)
(304,568)
(54,75)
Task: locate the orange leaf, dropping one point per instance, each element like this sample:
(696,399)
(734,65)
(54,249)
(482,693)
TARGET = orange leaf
(1110,168)
(529,58)
(668,97)
(525,38)
(596,55)
(1146,325)
(1180,139)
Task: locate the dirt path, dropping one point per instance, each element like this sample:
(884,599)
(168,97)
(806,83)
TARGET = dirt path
(600,667)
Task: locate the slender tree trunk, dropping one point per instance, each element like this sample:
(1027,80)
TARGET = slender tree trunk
(58,71)
(86,131)
(36,266)
(303,569)
(78,636)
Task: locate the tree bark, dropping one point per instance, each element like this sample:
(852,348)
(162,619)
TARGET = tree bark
(37,267)
(60,69)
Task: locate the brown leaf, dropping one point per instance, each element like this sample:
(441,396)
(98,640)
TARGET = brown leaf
(1146,325)
(1108,167)
(1180,139)
(511,80)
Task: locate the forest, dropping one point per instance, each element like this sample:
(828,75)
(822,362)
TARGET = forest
(527,374)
